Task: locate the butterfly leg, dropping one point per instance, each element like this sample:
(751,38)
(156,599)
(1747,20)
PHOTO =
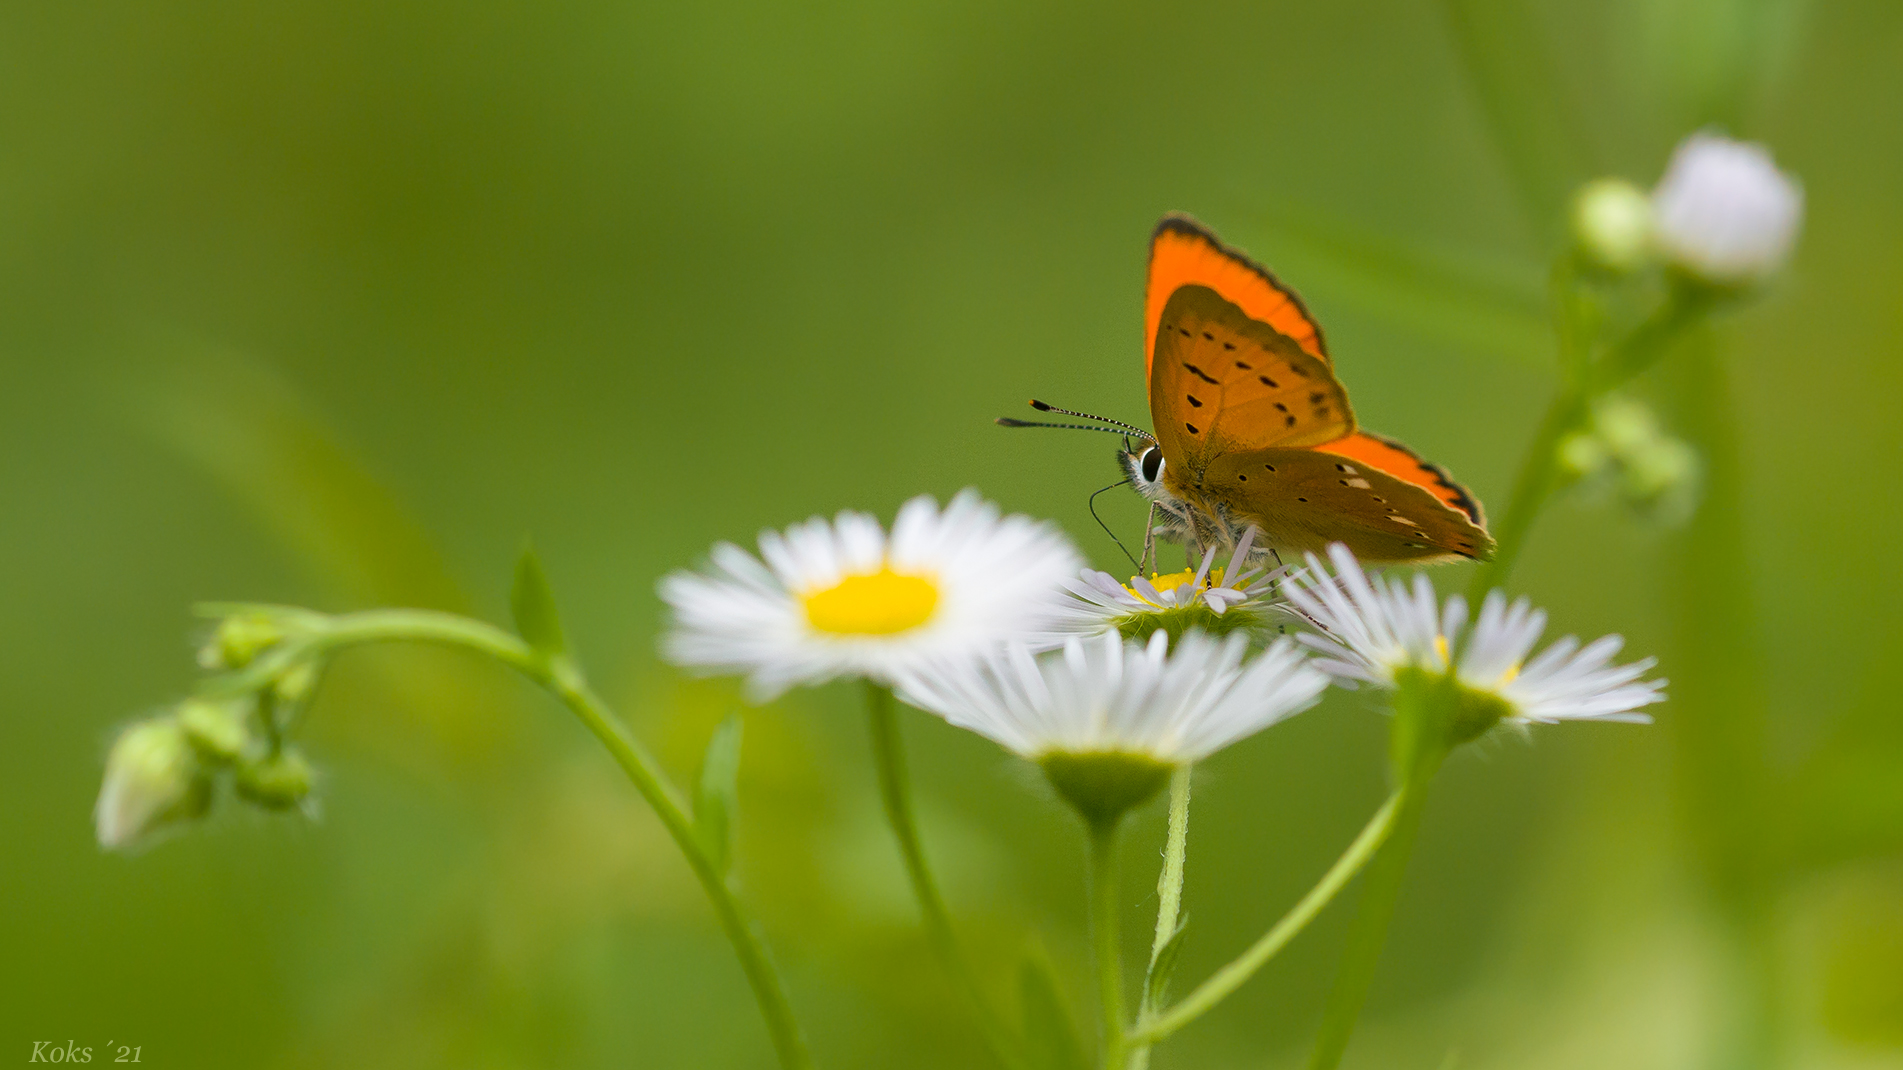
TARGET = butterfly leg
(1148,564)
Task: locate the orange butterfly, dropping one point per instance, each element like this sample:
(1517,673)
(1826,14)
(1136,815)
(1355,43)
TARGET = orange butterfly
(1252,427)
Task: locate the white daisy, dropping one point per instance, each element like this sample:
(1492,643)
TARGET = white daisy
(1218,601)
(1372,630)
(1107,717)
(842,598)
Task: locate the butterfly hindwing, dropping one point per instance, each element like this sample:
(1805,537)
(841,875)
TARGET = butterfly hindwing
(1311,497)
(1184,253)
(1221,381)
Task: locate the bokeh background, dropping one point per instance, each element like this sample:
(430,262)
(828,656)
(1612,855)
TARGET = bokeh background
(337,303)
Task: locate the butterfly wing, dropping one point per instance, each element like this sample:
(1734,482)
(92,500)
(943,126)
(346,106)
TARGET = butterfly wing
(1184,253)
(1375,495)
(1223,381)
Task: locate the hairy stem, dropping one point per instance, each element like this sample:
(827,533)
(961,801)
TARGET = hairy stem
(563,678)
(1107,937)
(1169,904)
(888,758)
(1369,930)
(1231,977)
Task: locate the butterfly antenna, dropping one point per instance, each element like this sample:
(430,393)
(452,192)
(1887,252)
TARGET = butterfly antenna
(1132,428)
(1006,421)
(1106,527)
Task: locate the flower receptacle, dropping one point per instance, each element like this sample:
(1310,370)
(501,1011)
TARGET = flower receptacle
(1178,621)
(1434,712)
(1104,785)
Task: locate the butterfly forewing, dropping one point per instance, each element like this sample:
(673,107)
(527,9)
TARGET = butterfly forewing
(1184,253)
(1221,381)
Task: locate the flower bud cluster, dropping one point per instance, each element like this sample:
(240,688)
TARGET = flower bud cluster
(165,771)
(1623,449)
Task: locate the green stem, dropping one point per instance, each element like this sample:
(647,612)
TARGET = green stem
(1231,977)
(888,758)
(1538,479)
(1540,474)
(1370,928)
(1106,933)
(562,677)
(1169,905)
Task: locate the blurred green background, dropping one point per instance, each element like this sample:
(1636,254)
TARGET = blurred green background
(336,303)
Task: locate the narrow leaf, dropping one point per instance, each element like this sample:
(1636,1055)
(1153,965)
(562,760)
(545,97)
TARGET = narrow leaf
(534,607)
(716,794)
(1163,966)
(1050,1037)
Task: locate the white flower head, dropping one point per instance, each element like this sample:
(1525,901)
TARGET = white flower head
(1371,629)
(1725,212)
(1215,600)
(827,599)
(1108,717)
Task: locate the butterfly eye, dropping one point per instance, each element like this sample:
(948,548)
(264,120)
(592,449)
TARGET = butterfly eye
(1151,463)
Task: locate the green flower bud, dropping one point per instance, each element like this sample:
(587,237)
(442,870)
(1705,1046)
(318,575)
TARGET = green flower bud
(154,777)
(275,782)
(239,638)
(220,730)
(1104,785)
(296,683)
(1612,225)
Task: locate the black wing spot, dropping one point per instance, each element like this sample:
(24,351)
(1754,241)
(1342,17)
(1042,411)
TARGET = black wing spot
(1299,370)
(1291,421)
(1317,398)
(1341,468)
(1244,365)
(1184,331)
(1209,336)
(1420,534)
(1268,382)
(1301,499)
(1201,374)
(1240,478)
(1231,345)
(1193,429)
(1193,402)
(1279,407)
(1270,467)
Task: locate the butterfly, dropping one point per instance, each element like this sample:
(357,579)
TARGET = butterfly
(1253,427)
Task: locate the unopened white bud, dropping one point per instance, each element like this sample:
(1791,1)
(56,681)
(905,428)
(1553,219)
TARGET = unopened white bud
(154,777)
(1725,213)
(1612,224)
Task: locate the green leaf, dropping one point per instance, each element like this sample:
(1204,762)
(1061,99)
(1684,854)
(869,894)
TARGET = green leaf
(1163,966)
(1050,1037)
(534,608)
(716,794)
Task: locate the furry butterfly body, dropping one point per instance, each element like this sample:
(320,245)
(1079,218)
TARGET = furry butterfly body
(1253,427)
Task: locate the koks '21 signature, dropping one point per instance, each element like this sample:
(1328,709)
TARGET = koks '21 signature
(52,1051)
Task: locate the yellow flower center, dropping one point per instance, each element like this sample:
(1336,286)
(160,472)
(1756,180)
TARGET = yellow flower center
(878,603)
(1440,647)
(1169,581)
